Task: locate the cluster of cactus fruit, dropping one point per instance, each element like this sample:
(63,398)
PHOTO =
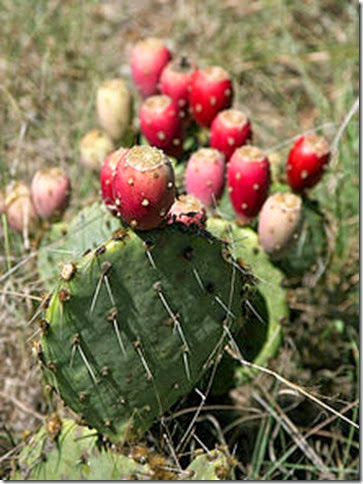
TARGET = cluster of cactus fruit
(155,281)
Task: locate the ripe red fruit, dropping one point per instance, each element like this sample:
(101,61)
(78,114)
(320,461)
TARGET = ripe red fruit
(211,91)
(160,123)
(188,210)
(248,175)
(307,161)
(176,80)
(148,59)
(230,129)
(50,192)
(107,175)
(144,187)
(205,175)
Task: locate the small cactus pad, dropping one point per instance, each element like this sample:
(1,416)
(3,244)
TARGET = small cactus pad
(214,466)
(74,453)
(137,324)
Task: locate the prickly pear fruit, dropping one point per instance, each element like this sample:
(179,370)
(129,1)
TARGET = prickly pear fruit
(176,80)
(148,59)
(188,210)
(19,208)
(144,187)
(114,108)
(50,190)
(211,91)
(204,175)
(279,222)
(107,175)
(230,129)
(160,123)
(307,161)
(248,175)
(94,147)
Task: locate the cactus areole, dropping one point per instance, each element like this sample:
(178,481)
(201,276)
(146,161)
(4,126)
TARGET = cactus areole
(248,175)
(307,161)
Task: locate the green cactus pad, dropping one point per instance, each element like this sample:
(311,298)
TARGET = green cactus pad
(137,322)
(261,334)
(214,466)
(75,453)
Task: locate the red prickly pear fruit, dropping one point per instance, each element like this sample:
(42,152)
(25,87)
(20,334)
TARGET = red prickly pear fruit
(279,222)
(230,129)
(94,147)
(176,81)
(144,187)
(160,123)
(50,190)
(107,175)
(19,208)
(148,59)
(188,210)
(114,108)
(248,175)
(211,92)
(205,175)
(307,162)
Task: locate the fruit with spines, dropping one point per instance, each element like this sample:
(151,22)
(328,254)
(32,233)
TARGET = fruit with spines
(205,175)
(107,175)
(114,108)
(188,209)
(279,222)
(230,129)
(19,208)
(50,190)
(94,147)
(148,59)
(307,161)
(211,92)
(144,187)
(248,178)
(176,80)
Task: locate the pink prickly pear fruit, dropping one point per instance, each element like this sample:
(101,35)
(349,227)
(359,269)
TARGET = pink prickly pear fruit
(307,162)
(248,176)
(205,175)
(144,187)
(176,81)
(19,208)
(148,59)
(107,176)
(188,210)
(279,222)
(160,123)
(114,108)
(94,147)
(50,190)
(211,92)
(230,129)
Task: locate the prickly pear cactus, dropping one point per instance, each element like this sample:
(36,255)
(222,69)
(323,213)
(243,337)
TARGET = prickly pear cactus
(73,452)
(260,336)
(134,324)
(214,466)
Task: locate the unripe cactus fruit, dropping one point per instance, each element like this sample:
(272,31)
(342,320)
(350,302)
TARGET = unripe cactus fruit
(148,59)
(144,187)
(160,123)
(107,175)
(279,222)
(230,129)
(19,208)
(211,92)
(176,80)
(188,210)
(248,175)
(94,147)
(307,161)
(205,175)
(50,190)
(114,107)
